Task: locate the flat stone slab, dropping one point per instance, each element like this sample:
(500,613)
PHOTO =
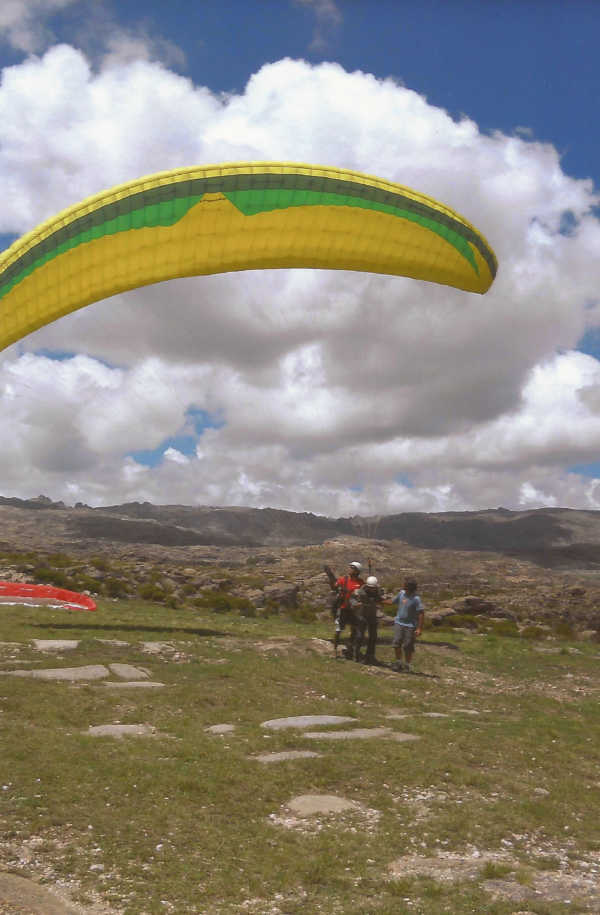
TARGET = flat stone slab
(306,805)
(55,644)
(435,715)
(220,728)
(128,672)
(133,684)
(120,730)
(305,721)
(156,647)
(89,672)
(117,643)
(285,754)
(357,733)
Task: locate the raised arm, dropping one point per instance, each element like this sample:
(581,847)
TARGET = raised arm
(331,577)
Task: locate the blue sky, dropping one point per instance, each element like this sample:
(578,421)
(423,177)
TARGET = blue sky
(489,105)
(506,63)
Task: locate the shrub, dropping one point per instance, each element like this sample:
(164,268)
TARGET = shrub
(533,633)
(59,560)
(151,591)
(256,582)
(115,587)
(52,577)
(505,628)
(461,621)
(563,630)
(303,614)
(84,583)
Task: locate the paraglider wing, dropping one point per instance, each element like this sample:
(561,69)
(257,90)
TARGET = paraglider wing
(13,592)
(244,216)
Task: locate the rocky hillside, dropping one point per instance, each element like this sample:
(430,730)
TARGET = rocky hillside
(551,537)
(474,569)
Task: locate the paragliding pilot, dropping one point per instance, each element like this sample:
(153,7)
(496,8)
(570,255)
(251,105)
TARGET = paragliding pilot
(364,603)
(343,587)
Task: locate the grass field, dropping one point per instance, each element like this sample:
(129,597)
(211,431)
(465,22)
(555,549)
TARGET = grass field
(493,809)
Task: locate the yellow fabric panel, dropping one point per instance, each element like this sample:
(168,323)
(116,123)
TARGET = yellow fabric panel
(214,236)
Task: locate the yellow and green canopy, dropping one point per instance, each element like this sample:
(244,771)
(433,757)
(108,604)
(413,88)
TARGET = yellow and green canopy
(246,216)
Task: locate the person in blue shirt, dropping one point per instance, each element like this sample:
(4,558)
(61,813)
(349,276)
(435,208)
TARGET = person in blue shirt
(408,623)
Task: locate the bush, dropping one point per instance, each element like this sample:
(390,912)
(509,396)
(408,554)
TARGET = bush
(220,603)
(151,591)
(303,614)
(115,587)
(59,560)
(505,628)
(460,621)
(84,583)
(255,582)
(54,577)
(533,632)
(563,630)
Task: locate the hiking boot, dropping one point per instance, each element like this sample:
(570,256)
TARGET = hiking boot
(398,666)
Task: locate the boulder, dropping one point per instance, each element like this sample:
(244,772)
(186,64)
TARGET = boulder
(437,617)
(588,635)
(471,605)
(285,594)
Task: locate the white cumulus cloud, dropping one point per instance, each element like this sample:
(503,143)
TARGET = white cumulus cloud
(337,392)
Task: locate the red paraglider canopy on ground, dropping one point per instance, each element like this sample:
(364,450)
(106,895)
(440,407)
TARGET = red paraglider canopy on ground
(17,592)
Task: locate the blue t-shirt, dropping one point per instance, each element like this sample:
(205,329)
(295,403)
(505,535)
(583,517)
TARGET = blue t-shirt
(409,609)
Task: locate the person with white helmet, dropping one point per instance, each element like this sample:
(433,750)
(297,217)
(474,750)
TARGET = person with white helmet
(343,587)
(365,602)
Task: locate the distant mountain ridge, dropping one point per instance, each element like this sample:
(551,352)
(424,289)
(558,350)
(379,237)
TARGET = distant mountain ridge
(549,536)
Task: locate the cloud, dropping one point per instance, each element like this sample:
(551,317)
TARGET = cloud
(328,18)
(24,23)
(28,26)
(340,393)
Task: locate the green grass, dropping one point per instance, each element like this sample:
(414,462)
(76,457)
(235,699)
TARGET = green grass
(184,822)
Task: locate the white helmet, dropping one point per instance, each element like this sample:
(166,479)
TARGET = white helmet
(356,565)
(371,582)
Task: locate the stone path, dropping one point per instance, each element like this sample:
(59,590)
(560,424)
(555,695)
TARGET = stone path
(121,730)
(309,813)
(304,721)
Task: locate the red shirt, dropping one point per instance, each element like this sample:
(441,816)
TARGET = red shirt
(347,585)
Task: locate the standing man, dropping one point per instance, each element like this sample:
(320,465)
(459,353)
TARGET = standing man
(344,586)
(408,623)
(365,602)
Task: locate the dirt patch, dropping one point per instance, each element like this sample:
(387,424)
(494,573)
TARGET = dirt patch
(562,886)
(311,813)
(21,896)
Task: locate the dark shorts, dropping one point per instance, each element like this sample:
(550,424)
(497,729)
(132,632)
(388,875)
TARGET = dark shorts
(404,635)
